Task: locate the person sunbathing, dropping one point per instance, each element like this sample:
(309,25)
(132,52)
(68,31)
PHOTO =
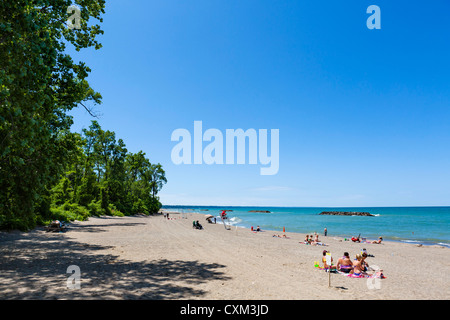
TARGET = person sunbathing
(344,264)
(324,261)
(307,239)
(278,236)
(358,268)
(364,264)
(316,238)
(378,241)
(197,225)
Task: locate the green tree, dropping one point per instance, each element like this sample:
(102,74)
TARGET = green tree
(39,84)
(158,178)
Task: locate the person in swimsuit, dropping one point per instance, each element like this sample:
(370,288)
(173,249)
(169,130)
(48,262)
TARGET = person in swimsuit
(378,241)
(364,264)
(307,239)
(344,264)
(324,261)
(357,266)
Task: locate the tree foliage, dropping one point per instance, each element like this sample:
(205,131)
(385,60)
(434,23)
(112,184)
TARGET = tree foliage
(107,179)
(39,84)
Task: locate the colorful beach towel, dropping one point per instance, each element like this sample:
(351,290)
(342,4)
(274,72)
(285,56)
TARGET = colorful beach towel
(373,276)
(378,275)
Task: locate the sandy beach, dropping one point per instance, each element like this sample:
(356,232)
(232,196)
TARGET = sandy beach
(150,257)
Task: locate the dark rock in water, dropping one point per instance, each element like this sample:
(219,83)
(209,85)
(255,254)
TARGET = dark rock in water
(265,211)
(346,213)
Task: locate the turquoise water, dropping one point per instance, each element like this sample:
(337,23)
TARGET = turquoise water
(425,225)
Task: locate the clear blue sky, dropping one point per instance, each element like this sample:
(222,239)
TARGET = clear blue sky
(363,115)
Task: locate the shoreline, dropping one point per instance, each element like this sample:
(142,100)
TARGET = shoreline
(342,237)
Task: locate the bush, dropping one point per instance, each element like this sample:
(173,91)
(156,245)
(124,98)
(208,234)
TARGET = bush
(114,211)
(22,224)
(68,212)
(95,208)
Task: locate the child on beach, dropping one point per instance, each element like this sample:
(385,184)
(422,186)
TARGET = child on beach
(307,240)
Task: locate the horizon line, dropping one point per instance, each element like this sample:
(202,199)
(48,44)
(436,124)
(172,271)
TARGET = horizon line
(410,206)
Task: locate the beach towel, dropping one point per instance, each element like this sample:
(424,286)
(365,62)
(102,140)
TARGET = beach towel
(314,243)
(351,275)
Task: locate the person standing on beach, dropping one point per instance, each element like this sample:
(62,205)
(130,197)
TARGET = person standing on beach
(325,232)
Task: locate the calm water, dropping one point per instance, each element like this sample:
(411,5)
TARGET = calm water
(426,225)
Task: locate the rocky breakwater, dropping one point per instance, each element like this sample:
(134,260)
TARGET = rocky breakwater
(346,213)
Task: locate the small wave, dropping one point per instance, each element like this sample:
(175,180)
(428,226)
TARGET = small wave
(411,241)
(444,244)
(235,220)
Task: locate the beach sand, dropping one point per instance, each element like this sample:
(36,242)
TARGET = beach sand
(149,257)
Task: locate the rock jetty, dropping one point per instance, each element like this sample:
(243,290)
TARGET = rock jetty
(346,213)
(265,211)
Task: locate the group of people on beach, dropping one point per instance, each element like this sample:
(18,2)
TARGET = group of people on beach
(357,266)
(358,239)
(309,240)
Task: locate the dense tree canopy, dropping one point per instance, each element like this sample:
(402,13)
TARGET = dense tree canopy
(102,177)
(43,165)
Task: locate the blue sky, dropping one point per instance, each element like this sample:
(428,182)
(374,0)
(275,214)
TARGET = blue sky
(363,115)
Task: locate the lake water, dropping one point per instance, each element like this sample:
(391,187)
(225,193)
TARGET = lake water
(425,225)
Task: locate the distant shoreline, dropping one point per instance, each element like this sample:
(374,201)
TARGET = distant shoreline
(287,207)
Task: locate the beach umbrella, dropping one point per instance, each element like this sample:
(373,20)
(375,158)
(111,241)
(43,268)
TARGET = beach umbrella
(208,216)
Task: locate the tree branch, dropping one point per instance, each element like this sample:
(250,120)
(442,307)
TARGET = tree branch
(89,111)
